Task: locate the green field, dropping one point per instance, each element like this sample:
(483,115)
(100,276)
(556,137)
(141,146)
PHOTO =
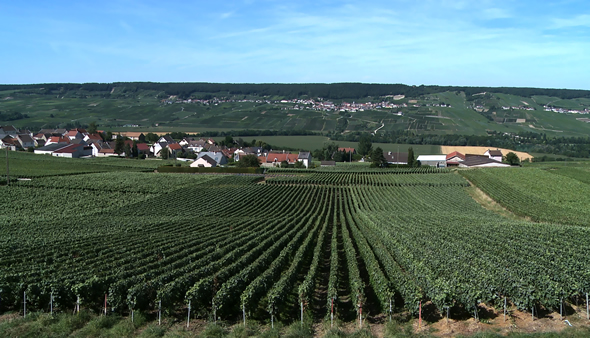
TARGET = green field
(234,246)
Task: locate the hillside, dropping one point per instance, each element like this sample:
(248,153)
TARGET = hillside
(320,108)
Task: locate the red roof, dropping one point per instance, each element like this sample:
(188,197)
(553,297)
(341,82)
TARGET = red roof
(347,150)
(280,157)
(455,154)
(57,139)
(174,146)
(69,149)
(143,147)
(94,137)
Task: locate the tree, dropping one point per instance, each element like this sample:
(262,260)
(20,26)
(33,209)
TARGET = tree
(411,157)
(284,164)
(512,159)
(365,145)
(164,153)
(119,145)
(248,161)
(134,150)
(299,165)
(92,127)
(152,138)
(127,150)
(378,159)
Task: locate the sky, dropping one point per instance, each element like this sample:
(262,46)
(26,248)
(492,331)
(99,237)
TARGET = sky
(432,42)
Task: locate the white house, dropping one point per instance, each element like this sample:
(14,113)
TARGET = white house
(218,157)
(26,141)
(494,154)
(439,161)
(204,161)
(305,157)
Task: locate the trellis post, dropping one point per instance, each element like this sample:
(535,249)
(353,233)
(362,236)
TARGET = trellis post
(420,314)
(244,313)
(587,308)
(188,318)
(504,308)
(301,312)
(51,303)
(160,312)
(332,313)
(24,304)
(561,308)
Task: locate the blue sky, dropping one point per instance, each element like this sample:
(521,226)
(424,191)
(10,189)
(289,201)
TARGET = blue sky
(443,42)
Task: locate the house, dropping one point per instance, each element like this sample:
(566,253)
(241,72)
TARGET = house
(218,158)
(193,145)
(204,162)
(26,141)
(102,149)
(10,143)
(92,138)
(275,159)
(494,154)
(454,159)
(228,152)
(57,139)
(481,162)
(439,161)
(347,150)
(8,131)
(395,157)
(143,149)
(49,149)
(175,149)
(305,158)
(167,139)
(73,151)
(74,134)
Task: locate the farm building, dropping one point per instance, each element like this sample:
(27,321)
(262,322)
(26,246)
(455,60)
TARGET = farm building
(481,162)
(395,157)
(439,161)
(494,154)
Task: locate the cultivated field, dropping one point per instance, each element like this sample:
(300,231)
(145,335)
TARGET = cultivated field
(481,150)
(359,245)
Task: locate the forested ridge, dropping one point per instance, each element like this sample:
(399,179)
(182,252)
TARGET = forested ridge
(324,90)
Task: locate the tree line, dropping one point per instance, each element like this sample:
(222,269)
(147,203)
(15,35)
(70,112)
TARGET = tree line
(323,90)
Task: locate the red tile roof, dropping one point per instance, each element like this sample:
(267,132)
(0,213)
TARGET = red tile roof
(69,149)
(57,139)
(280,157)
(174,146)
(457,154)
(143,147)
(347,150)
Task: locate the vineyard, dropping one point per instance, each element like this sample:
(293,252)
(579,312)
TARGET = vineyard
(348,245)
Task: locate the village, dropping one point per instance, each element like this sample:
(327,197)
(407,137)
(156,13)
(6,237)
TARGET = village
(204,152)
